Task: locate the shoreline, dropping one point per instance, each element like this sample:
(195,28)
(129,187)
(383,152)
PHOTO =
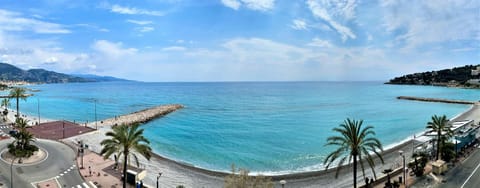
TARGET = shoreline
(214,178)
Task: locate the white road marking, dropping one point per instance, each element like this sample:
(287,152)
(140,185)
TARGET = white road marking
(476,168)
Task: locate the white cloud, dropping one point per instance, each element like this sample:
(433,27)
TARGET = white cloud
(13,21)
(129,10)
(38,53)
(146,29)
(112,50)
(299,24)
(326,10)
(51,60)
(260,5)
(316,42)
(174,48)
(140,22)
(420,23)
(234,4)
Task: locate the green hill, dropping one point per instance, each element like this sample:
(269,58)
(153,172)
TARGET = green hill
(466,76)
(11,73)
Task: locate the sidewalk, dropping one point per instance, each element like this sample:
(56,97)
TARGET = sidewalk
(99,171)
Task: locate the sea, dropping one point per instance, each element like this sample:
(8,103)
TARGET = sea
(266,127)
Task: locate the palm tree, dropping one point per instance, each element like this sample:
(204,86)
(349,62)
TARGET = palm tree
(125,139)
(440,126)
(22,124)
(21,146)
(354,143)
(18,93)
(5,104)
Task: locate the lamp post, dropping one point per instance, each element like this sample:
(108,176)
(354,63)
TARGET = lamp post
(11,172)
(95,100)
(403,169)
(81,153)
(283,182)
(38,109)
(158,177)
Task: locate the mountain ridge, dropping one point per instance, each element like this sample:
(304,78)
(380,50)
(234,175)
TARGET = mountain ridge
(10,72)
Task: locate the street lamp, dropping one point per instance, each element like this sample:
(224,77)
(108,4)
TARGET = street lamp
(81,152)
(95,113)
(283,182)
(38,109)
(158,177)
(11,172)
(404,175)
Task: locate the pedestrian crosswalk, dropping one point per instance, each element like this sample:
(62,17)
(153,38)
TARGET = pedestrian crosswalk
(90,184)
(5,127)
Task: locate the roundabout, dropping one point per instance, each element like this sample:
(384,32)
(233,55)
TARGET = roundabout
(37,157)
(54,162)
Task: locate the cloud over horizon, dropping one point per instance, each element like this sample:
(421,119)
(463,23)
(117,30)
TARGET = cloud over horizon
(242,40)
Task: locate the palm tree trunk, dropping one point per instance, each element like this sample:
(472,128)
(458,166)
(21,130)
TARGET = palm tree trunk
(438,145)
(18,113)
(354,171)
(125,158)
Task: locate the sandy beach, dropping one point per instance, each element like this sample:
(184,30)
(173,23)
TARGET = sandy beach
(175,173)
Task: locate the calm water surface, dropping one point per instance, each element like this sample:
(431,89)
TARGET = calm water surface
(265,127)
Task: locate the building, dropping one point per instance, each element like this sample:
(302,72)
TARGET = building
(465,133)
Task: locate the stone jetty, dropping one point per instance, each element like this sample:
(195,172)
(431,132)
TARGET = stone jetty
(435,100)
(142,116)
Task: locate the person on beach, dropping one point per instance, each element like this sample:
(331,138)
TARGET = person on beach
(90,170)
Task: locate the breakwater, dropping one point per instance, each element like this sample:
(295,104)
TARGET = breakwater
(435,100)
(142,116)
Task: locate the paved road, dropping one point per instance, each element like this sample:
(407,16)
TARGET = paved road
(462,174)
(59,165)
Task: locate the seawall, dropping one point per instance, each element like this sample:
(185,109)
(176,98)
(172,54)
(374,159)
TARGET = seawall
(142,116)
(435,100)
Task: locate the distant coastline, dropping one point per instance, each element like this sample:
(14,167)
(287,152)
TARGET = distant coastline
(459,77)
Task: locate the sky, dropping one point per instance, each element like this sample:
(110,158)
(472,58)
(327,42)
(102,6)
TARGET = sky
(240,40)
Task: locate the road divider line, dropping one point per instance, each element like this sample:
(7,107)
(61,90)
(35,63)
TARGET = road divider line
(476,168)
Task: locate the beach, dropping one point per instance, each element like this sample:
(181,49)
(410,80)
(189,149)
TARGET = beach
(177,173)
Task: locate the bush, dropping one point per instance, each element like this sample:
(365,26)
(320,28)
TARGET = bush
(419,163)
(241,179)
(448,151)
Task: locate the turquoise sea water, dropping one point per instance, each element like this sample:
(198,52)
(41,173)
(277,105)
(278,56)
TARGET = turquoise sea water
(272,127)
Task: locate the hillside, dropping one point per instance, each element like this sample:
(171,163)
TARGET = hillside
(97,78)
(466,76)
(11,73)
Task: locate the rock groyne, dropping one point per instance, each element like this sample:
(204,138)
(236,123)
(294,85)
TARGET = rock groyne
(142,116)
(435,100)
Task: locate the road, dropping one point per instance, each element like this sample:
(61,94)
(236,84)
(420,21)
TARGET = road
(466,174)
(59,166)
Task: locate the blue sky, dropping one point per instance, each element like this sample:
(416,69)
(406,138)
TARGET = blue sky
(240,40)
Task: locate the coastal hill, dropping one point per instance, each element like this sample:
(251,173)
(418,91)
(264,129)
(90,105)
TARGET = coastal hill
(467,76)
(12,73)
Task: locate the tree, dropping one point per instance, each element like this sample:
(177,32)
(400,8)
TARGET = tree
(419,163)
(21,146)
(5,104)
(440,126)
(18,93)
(355,143)
(241,179)
(448,151)
(125,140)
